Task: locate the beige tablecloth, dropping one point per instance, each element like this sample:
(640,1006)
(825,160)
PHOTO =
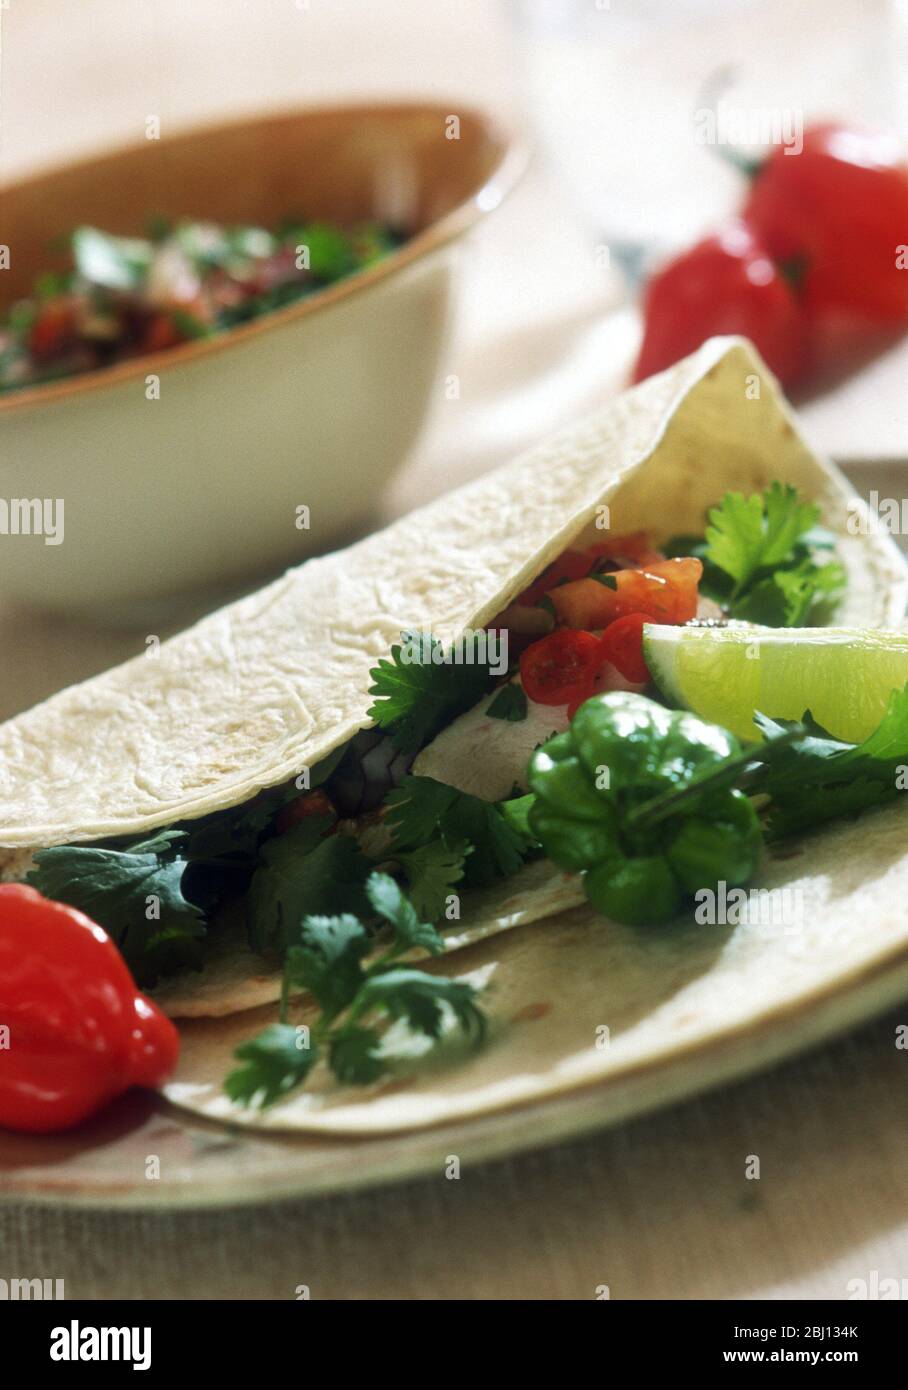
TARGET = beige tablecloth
(659,1208)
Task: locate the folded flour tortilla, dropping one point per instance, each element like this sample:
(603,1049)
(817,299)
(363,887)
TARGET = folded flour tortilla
(271,684)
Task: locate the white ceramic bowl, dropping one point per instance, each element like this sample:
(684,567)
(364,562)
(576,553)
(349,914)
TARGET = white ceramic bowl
(314,406)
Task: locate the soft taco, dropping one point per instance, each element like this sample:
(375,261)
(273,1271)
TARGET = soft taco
(371,795)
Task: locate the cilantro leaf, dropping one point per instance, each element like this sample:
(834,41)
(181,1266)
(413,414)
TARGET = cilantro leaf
(747,534)
(786,597)
(809,758)
(510,703)
(889,739)
(829,581)
(817,777)
(137,898)
(766,561)
(353,1057)
(806,807)
(516,812)
(820,757)
(162,842)
(391,903)
(295,878)
(233,834)
(432,873)
(276,1061)
(422,810)
(418,998)
(353,998)
(327,962)
(153,891)
(417,809)
(419,692)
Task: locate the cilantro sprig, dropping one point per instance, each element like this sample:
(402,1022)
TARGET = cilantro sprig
(421,688)
(355,1001)
(766,560)
(818,778)
(155,896)
(433,871)
(423,812)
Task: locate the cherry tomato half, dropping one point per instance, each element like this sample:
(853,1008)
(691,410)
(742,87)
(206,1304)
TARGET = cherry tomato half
(554,669)
(622,645)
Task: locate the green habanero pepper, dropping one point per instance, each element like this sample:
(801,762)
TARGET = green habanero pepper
(574,844)
(646,747)
(560,779)
(620,753)
(641,890)
(722,840)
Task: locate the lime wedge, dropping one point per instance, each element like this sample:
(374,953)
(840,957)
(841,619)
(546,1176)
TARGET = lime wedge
(844,676)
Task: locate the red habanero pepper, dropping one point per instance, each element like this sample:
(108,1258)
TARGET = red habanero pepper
(837,212)
(74,1030)
(727,283)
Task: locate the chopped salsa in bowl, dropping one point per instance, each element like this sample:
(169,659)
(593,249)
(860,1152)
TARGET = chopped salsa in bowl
(124,297)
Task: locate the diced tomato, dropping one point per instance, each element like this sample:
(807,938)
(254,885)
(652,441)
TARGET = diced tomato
(554,670)
(666,592)
(635,546)
(586,604)
(622,645)
(160,332)
(314,803)
(573,564)
(53,330)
